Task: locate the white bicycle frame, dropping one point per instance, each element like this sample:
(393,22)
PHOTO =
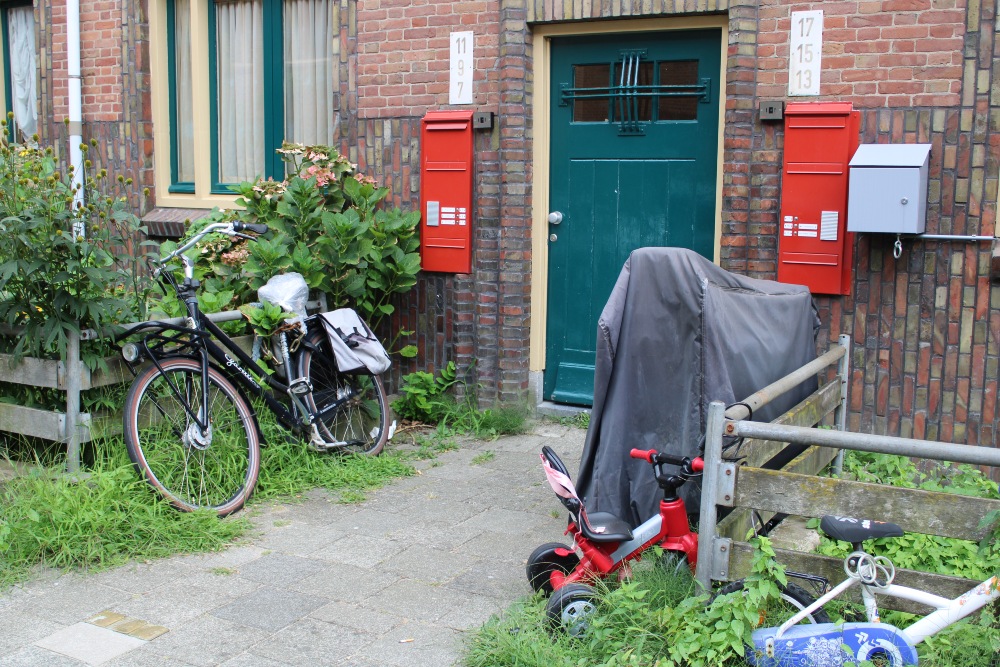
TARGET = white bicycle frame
(946,612)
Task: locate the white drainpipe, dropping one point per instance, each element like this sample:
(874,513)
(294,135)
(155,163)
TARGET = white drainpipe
(75,103)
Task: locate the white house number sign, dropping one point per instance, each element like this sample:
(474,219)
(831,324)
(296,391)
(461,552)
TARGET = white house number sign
(460,88)
(806,51)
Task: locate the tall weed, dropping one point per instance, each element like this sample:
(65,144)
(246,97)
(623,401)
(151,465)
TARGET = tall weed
(98,520)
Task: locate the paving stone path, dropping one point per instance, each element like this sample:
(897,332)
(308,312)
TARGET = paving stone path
(395,580)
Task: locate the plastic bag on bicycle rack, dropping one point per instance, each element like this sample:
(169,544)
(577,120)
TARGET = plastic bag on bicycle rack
(355,346)
(288,290)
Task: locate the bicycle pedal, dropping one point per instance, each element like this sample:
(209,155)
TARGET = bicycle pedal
(300,386)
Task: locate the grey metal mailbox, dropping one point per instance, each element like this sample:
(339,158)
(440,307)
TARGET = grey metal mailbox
(888,189)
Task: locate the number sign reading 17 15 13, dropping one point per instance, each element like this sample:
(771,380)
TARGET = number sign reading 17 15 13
(460,88)
(806,52)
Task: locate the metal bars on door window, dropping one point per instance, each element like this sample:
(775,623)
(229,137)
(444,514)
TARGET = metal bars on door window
(633,91)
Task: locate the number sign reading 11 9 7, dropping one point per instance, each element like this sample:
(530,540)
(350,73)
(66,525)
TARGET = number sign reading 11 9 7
(460,88)
(806,51)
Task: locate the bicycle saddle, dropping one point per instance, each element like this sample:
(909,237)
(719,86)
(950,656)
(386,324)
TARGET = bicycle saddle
(597,526)
(855,531)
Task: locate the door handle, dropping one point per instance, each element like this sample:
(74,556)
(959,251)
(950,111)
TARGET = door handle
(555,217)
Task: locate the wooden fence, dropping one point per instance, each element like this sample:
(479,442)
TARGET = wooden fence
(741,482)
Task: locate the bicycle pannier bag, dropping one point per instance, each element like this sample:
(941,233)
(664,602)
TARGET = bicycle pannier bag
(355,346)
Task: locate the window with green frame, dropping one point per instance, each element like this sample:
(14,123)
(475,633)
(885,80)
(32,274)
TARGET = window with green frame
(272,77)
(20,62)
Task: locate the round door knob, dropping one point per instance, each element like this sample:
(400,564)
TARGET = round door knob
(555,217)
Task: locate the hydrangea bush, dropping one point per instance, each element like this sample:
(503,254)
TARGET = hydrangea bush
(327,222)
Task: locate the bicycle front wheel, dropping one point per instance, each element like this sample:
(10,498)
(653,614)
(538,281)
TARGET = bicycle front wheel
(216,468)
(361,423)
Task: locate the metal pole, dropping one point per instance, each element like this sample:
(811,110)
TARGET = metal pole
(72,426)
(708,518)
(883,444)
(840,414)
(793,379)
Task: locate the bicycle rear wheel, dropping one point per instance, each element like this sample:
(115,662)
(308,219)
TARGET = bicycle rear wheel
(361,424)
(192,470)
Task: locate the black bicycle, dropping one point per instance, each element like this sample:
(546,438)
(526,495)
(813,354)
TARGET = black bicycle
(189,425)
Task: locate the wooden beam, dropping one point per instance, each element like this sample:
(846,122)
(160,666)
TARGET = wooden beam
(809,412)
(36,423)
(739,522)
(32,371)
(916,511)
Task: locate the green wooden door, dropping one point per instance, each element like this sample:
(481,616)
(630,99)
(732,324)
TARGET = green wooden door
(634,130)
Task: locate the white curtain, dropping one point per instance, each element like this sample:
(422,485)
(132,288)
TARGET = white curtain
(310,71)
(183,92)
(240,54)
(23,66)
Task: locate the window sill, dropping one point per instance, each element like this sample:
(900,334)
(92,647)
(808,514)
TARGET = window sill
(170,223)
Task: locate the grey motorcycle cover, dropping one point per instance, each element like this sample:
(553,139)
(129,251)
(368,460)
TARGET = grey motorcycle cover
(677,333)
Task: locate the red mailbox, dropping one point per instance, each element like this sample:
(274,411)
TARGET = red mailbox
(446,191)
(814,248)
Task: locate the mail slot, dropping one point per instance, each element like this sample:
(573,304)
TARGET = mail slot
(814,247)
(446,153)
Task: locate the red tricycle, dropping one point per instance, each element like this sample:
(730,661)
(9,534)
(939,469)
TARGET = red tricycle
(607,543)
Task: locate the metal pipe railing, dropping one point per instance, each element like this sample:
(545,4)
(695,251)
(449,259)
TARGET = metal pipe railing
(772,391)
(867,442)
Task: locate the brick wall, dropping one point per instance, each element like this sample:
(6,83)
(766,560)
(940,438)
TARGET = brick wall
(893,53)
(100,59)
(403,54)
(925,327)
(116,105)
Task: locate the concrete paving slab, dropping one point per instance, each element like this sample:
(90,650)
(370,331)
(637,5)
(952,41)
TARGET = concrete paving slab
(278,569)
(346,583)
(313,642)
(416,645)
(76,597)
(175,604)
(88,643)
(250,659)
(229,558)
(145,657)
(300,538)
(356,617)
(269,608)
(34,656)
(208,641)
(20,629)
(430,563)
(141,577)
(398,579)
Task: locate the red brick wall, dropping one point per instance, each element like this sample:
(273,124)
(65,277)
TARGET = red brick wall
(895,53)
(100,60)
(403,54)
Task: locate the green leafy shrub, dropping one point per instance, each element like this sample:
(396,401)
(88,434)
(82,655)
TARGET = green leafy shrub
(326,222)
(425,396)
(915,551)
(63,268)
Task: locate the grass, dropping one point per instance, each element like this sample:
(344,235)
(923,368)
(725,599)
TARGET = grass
(104,519)
(637,624)
(109,516)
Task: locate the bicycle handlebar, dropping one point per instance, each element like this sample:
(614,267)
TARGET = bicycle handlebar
(654,457)
(228,228)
